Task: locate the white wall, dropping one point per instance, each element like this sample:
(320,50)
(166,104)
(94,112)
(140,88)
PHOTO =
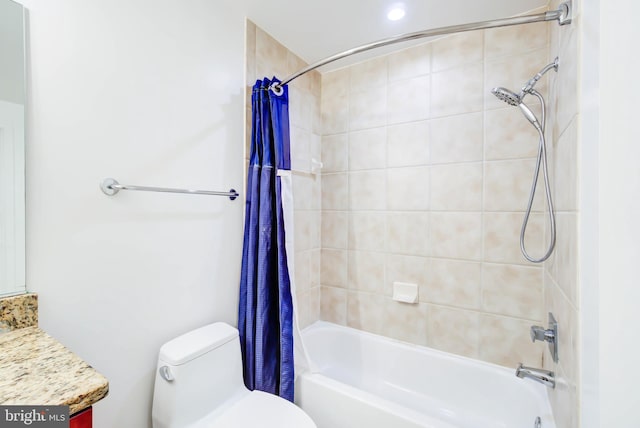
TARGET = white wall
(619,236)
(589,227)
(610,233)
(150,93)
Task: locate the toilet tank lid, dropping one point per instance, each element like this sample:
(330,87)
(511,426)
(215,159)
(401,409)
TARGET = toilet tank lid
(197,342)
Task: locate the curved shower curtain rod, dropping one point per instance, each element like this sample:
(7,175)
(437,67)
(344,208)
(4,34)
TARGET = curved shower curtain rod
(562,15)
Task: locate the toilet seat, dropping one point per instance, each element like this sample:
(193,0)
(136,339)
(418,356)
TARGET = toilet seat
(260,409)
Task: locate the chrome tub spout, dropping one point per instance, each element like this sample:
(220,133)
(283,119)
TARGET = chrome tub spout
(545,377)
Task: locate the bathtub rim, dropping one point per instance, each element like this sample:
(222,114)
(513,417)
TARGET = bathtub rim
(320,325)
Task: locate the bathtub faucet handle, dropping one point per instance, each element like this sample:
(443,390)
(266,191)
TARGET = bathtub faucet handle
(549,335)
(539,333)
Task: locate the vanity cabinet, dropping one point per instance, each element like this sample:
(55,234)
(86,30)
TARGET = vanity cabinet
(83,419)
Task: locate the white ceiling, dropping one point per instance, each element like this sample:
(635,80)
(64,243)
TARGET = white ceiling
(317,29)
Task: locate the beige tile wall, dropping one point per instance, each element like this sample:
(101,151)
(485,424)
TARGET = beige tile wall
(425,181)
(266,57)
(561,284)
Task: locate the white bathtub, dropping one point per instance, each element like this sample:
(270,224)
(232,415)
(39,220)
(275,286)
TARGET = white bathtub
(368,381)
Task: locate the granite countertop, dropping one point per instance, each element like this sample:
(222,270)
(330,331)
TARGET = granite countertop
(36,369)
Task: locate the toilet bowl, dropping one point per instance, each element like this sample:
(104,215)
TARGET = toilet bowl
(199,384)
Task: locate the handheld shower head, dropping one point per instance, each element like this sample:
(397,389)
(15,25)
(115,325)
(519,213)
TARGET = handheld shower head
(513,99)
(503,94)
(530,116)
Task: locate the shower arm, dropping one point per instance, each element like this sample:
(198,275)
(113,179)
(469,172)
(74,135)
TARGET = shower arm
(562,15)
(528,87)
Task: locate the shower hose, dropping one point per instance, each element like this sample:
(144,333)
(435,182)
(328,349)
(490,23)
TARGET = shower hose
(540,161)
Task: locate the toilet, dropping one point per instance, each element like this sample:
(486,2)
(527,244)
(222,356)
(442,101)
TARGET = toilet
(199,384)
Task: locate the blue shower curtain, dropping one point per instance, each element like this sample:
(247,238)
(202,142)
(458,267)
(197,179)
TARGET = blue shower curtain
(265,318)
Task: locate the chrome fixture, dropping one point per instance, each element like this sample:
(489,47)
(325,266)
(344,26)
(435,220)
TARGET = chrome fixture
(514,99)
(165,373)
(532,82)
(110,187)
(562,15)
(545,377)
(549,335)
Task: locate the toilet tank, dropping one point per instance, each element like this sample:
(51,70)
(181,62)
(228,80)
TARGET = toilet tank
(202,375)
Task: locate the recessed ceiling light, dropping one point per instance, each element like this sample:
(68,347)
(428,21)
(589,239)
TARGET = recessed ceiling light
(396,12)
